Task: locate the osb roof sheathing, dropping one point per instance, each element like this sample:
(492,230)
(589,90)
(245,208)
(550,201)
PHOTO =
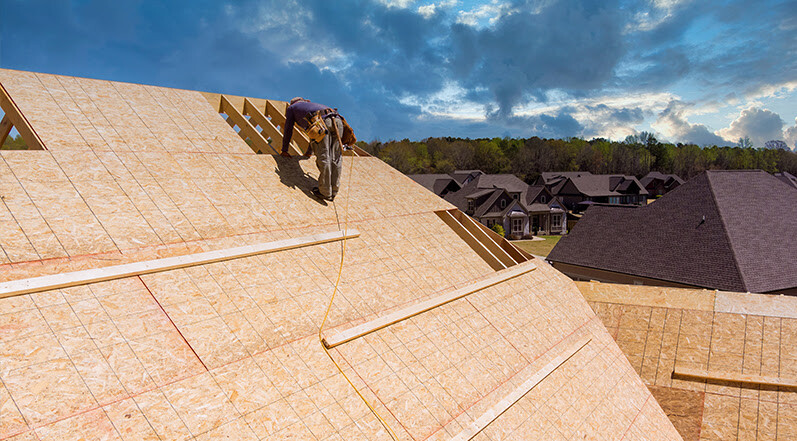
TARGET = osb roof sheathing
(230,349)
(720,332)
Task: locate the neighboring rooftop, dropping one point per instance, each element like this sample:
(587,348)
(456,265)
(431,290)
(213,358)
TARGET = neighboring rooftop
(730,230)
(788,178)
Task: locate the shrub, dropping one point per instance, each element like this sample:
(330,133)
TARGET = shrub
(499,229)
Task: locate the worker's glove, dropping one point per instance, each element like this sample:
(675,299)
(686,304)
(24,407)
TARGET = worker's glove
(285,154)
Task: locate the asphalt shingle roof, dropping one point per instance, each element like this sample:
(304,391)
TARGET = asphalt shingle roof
(729,230)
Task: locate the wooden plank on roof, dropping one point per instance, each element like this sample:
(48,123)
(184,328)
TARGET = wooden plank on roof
(502,406)
(19,121)
(419,308)
(64,280)
(485,239)
(471,240)
(259,143)
(757,380)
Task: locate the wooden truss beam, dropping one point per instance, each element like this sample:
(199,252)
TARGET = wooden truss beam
(757,380)
(248,131)
(474,228)
(298,137)
(419,308)
(76,278)
(269,129)
(502,406)
(5,129)
(18,120)
(475,244)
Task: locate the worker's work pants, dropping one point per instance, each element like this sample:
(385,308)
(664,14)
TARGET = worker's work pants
(329,158)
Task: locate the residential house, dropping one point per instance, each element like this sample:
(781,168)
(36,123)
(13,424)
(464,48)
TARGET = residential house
(659,184)
(503,199)
(579,190)
(727,230)
(439,184)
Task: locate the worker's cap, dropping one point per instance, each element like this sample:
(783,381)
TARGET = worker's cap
(296,99)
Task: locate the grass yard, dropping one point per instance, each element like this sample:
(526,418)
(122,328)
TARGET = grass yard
(538,247)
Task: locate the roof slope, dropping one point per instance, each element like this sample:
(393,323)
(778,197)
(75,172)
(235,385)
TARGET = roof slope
(722,333)
(231,349)
(731,230)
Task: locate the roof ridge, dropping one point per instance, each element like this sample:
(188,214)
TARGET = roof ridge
(725,231)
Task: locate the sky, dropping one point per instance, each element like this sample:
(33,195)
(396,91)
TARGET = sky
(703,71)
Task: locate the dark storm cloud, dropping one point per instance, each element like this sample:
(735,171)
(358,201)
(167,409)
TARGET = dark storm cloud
(383,57)
(526,54)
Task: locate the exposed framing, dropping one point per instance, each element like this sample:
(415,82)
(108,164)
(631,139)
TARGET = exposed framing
(299,137)
(14,118)
(248,131)
(419,308)
(76,278)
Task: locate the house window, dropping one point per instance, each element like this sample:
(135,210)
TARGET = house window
(514,196)
(517,225)
(556,220)
(614,200)
(471,205)
(542,199)
(503,203)
(490,223)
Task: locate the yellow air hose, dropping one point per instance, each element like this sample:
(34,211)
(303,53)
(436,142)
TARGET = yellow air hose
(331,300)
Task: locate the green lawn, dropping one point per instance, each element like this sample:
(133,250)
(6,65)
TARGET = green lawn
(538,247)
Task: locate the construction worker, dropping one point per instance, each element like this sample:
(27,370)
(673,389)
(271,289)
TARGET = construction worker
(328,151)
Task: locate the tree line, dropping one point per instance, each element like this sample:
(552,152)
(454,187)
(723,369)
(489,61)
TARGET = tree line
(528,157)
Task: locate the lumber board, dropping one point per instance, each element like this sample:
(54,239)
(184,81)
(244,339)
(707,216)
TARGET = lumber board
(19,121)
(759,380)
(299,138)
(85,277)
(5,129)
(259,143)
(516,253)
(238,101)
(268,127)
(419,308)
(473,226)
(471,240)
(507,402)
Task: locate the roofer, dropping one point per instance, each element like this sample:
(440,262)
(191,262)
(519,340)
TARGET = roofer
(324,127)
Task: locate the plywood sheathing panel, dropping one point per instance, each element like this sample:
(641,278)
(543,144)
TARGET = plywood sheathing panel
(80,114)
(136,201)
(230,348)
(696,335)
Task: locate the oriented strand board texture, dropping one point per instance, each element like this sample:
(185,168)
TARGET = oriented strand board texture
(230,350)
(656,338)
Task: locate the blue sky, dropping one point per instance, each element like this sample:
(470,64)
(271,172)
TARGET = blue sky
(702,71)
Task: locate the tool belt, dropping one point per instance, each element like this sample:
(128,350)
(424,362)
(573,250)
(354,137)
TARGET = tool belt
(316,127)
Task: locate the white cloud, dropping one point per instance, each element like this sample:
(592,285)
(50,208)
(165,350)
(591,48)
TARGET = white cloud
(672,123)
(401,4)
(489,13)
(790,135)
(760,125)
(430,9)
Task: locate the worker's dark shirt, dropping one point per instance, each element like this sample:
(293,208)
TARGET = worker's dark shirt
(296,113)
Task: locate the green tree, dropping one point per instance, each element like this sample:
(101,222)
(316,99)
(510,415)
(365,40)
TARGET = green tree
(498,228)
